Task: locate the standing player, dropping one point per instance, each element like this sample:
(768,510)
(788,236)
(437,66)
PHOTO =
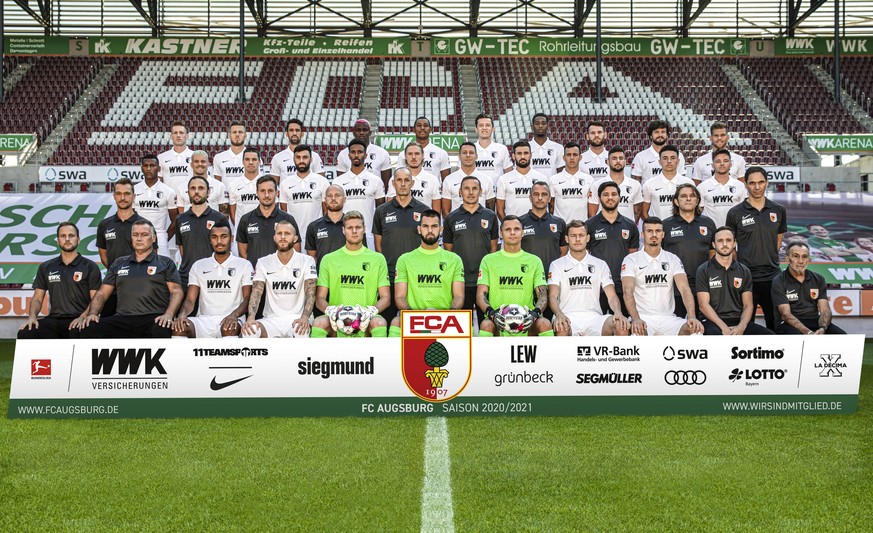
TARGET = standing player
(575,282)
(436,160)
(428,277)
(512,276)
(471,232)
(722,192)
(220,287)
(759,224)
(570,188)
(254,235)
(801,297)
(228,166)
(647,164)
(218,198)
(425,186)
(288,280)
(243,192)
(155,201)
(595,161)
(352,275)
(114,232)
(302,194)
(193,226)
(547,156)
(492,158)
(282,165)
(649,277)
(724,291)
(703,167)
(513,189)
(452,197)
(325,234)
(658,192)
(543,232)
(364,190)
(377,160)
(176,162)
(70,280)
(630,201)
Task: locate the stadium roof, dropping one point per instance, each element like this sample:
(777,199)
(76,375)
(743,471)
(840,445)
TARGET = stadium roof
(620,18)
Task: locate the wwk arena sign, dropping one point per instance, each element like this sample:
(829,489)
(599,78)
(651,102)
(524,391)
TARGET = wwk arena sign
(437,368)
(92,174)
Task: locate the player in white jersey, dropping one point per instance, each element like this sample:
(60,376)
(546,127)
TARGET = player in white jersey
(647,164)
(492,158)
(364,190)
(648,278)
(218,198)
(595,160)
(721,192)
(630,198)
(377,162)
(228,166)
(222,284)
(547,156)
(155,201)
(425,185)
(243,192)
(436,160)
(570,188)
(452,184)
(288,280)
(302,194)
(513,189)
(282,165)
(176,162)
(575,282)
(658,192)
(703,166)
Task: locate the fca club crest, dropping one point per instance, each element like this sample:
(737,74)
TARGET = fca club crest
(77,276)
(813,293)
(151,270)
(416,217)
(231,271)
(738,282)
(665,266)
(625,233)
(485,224)
(554,228)
(436,353)
(591,269)
(209,224)
(773,217)
(703,230)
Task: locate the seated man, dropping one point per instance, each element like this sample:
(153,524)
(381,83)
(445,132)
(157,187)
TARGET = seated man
(801,297)
(222,284)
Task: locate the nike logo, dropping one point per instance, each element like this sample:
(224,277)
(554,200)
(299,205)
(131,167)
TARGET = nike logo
(644,267)
(206,272)
(218,386)
(271,273)
(569,269)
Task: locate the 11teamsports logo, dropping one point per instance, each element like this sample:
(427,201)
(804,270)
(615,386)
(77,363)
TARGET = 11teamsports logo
(436,352)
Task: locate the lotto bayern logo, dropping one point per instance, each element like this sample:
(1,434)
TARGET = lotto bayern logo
(436,352)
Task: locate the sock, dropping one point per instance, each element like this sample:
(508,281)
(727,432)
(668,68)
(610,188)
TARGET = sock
(381,331)
(393,331)
(318,333)
(550,333)
(483,333)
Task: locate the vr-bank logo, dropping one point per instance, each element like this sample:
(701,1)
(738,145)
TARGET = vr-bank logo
(685,377)
(671,353)
(831,366)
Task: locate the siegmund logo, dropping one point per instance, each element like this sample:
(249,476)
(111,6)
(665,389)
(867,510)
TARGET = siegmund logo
(127,368)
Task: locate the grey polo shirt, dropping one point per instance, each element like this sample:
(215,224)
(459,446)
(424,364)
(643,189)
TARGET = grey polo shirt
(725,287)
(470,235)
(69,286)
(757,234)
(141,286)
(398,227)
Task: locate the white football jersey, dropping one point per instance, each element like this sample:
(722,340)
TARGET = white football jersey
(425,188)
(596,166)
(217,195)
(580,282)
(243,193)
(570,192)
(647,165)
(658,192)
(304,198)
(452,187)
(548,158)
(175,167)
(285,283)
(376,160)
(514,189)
(435,159)
(653,292)
(220,284)
(362,191)
(282,165)
(703,171)
(492,160)
(717,199)
(630,194)
(153,204)
(228,166)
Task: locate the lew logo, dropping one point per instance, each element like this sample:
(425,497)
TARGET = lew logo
(436,348)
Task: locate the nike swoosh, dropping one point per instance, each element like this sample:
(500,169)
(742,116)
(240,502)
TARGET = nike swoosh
(271,273)
(218,386)
(207,272)
(642,267)
(569,269)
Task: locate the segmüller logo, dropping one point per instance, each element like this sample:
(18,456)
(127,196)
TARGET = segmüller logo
(436,348)
(40,369)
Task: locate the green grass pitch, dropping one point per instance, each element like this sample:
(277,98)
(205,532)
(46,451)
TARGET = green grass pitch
(698,473)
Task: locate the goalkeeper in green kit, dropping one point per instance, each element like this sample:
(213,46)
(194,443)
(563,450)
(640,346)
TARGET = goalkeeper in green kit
(509,280)
(428,277)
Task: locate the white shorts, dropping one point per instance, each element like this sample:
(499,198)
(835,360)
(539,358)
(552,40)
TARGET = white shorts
(663,324)
(587,323)
(208,326)
(277,327)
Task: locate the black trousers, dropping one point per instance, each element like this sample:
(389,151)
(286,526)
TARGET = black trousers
(126,327)
(50,328)
(785,329)
(761,296)
(391,311)
(470,302)
(710,328)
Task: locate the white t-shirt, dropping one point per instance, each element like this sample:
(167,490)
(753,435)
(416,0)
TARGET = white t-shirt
(452,187)
(718,199)
(630,194)
(492,160)
(653,292)
(220,284)
(570,192)
(648,165)
(282,165)
(580,282)
(658,192)
(514,189)
(375,162)
(285,283)
(176,167)
(546,159)
(703,171)
(425,188)
(243,193)
(153,204)
(362,191)
(596,166)
(304,198)
(435,159)
(228,166)
(217,194)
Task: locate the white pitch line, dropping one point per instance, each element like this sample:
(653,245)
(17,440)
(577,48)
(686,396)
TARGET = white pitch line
(436,490)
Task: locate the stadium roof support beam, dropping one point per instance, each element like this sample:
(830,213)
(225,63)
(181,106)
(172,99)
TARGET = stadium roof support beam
(367,13)
(43,18)
(474,18)
(580,15)
(258,9)
(794,16)
(150,16)
(688,18)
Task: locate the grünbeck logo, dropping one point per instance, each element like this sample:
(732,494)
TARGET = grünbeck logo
(752,375)
(685,377)
(756,353)
(831,366)
(671,353)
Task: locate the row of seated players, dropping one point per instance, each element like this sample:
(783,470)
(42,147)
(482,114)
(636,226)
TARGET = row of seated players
(229,291)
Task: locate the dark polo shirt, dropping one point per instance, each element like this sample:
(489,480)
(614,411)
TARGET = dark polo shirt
(141,286)
(69,286)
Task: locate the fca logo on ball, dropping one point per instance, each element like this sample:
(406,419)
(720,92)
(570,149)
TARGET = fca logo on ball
(436,352)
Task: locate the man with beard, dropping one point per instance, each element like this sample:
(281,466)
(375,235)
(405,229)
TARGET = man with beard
(428,277)
(630,201)
(647,164)
(452,196)
(436,160)
(219,286)
(254,236)
(325,234)
(228,166)
(70,280)
(218,198)
(658,192)
(193,226)
(703,167)
(570,187)
(376,160)
(302,194)
(156,202)
(243,191)
(364,190)
(114,232)
(282,165)
(425,186)
(547,156)
(513,189)
(595,160)
(543,231)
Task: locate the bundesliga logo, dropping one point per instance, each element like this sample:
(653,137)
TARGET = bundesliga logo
(436,348)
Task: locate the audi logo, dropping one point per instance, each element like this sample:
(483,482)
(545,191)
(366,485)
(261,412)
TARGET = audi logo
(685,377)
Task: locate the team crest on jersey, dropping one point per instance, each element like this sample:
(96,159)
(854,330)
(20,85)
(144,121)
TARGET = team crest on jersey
(550,152)
(365,266)
(365,182)
(494,155)
(773,217)
(524,268)
(231,271)
(312,186)
(554,228)
(738,282)
(372,156)
(443,265)
(485,224)
(625,233)
(77,276)
(813,293)
(732,189)
(416,216)
(424,185)
(151,270)
(665,266)
(704,230)
(437,355)
(295,272)
(159,194)
(209,224)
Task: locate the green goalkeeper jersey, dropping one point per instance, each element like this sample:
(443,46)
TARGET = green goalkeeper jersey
(353,278)
(511,278)
(429,275)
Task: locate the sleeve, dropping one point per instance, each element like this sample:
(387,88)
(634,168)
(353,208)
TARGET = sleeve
(697,170)
(377,222)
(101,234)
(552,189)
(458,268)
(177,235)
(323,273)
(606,277)
(501,189)
(636,195)
(741,166)
(634,240)
(731,221)
(386,161)
(232,196)
(41,280)
(777,293)
(783,222)
(258,273)
(559,156)
(311,273)
(637,165)
(677,264)
(182,197)
(701,281)
(444,161)
(710,223)
(747,279)
(400,270)
(446,192)
(592,193)
(383,272)
(275,168)
(647,194)
(242,232)
(194,275)
(554,276)
(504,156)
(391,191)
(483,278)
(284,194)
(448,231)
(93,276)
(248,273)
(311,232)
(627,267)
(495,230)
(342,162)
(539,274)
(294,223)
(380,188)
(401,160)
(171,273)
(822,288)
(488,185)
(223,197)
(317,165)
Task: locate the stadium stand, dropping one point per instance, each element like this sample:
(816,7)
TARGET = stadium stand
(855,78)
(420,87)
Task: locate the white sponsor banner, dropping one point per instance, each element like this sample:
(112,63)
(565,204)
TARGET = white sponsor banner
(17,303)
(783,174)
(88,174)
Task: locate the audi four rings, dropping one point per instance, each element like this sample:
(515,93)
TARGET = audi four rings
(685,377)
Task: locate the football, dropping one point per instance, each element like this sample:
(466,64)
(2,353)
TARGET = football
(348,319)
(513,317)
